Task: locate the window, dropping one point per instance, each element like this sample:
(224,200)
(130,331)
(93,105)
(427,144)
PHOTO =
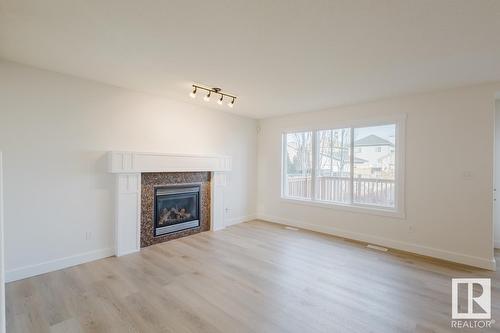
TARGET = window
(351,166)
(375,173)
(333,176)
(298,162)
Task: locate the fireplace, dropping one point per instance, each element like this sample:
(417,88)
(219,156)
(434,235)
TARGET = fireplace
(174,205)
(176,208)
(138,174)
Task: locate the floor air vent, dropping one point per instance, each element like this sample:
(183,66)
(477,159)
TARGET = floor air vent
(378,248)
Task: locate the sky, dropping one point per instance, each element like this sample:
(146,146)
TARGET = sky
(387,132)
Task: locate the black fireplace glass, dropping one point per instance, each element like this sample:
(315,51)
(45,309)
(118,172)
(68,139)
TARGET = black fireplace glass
(176,208)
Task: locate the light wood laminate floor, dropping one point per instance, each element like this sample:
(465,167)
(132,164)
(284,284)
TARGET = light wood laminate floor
(252,277)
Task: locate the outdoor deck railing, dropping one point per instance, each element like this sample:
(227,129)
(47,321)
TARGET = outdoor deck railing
(366,190)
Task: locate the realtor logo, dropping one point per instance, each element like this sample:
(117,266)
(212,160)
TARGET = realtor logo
(474,301)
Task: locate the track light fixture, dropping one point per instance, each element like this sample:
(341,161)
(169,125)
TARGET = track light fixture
(209,91)
(193,93)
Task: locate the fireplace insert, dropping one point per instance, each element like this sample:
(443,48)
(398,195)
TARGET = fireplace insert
(176,208)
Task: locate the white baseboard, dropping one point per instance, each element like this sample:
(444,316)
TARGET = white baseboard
(54,265)
(465,259)
(240,219)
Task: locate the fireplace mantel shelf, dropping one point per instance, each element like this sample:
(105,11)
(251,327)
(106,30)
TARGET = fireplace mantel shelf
(131,162)
(128,166)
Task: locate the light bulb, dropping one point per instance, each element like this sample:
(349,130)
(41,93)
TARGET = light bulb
(207,97)
(220,100)
(193,93)
(231,104)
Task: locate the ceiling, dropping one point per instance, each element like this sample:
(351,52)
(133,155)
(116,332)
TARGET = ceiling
(278,56)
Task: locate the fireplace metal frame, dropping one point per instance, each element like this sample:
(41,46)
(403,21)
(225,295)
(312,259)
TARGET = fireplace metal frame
(166,230)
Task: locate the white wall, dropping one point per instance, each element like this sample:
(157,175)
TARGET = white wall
(448,215)
(496,212)
(55,131)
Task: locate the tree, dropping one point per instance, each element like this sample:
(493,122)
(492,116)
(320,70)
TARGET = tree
(334,149)
(299,152)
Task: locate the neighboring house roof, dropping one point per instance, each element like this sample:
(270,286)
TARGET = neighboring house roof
(346,158)
(358,160)
(372,140)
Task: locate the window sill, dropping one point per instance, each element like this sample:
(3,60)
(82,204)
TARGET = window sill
(372,210)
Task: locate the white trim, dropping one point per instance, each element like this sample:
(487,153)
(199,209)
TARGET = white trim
(314,163)
(401,166)
(360,122)
(2,252)
(238,220)
(284,166)
(354,208)
(127,213)
(128,167)
(219,181)
(351,167)
(138,162)
(56,264)
(489,264)
(400,208)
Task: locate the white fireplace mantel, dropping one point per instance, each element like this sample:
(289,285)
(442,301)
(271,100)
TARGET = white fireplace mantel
(128,166)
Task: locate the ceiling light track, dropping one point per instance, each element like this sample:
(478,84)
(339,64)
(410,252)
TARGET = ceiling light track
(215,91)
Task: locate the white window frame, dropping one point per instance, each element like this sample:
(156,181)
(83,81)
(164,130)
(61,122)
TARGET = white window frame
(399,206)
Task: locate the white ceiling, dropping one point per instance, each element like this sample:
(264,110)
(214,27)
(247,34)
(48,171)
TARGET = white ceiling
(278,56)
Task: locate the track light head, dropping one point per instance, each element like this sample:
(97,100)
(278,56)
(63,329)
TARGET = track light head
(220,99)
(193,93)
(207,97)
(231,104)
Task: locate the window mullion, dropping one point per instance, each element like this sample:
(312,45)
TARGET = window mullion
(314,159)
(351,167)
(284,176)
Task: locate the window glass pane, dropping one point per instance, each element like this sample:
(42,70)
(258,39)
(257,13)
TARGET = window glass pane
(375,165)
(298,164)
(333,176)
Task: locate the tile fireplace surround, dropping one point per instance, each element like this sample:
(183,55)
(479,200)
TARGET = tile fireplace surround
(149,181)
(128,168)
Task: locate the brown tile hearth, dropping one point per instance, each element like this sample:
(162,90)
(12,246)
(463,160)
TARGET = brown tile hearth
(150,181)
